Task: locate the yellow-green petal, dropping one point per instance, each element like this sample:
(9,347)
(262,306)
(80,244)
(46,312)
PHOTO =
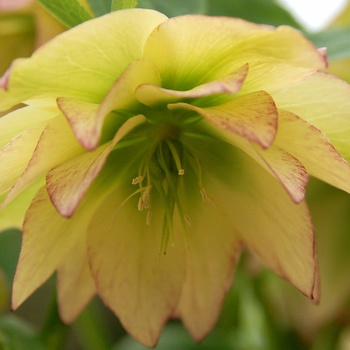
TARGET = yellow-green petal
(15,156)
(152,95)
(75,285)
(47,238)
(131,276)
(312,148)
(86,119)
(213,250)
(21,119)
(275,229)
(13,214)
(68,182)
(253,116)
(56,144)
(219,45)
(323,101)
(83,62)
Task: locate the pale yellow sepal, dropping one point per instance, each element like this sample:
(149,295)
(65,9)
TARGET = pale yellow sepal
(55,145)
(253,116)
(152,95)
(75,285)
(58,68)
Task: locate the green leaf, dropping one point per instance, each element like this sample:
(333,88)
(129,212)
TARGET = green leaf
(69,12)
(336,40)
(175,337)
(173,8)
(258,11)
(100,7)
(123,4)
(15,334)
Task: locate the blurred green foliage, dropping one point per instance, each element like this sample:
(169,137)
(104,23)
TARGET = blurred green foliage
(17,37)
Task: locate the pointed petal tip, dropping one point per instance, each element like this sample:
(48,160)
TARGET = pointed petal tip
(4,80)
(323,53)
(82,118)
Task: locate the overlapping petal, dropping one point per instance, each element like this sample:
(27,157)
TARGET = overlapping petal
(55,145)
(279,232)
(78,64)
(253,116)
(127,266)
(75,284)
(205,130)
(47,238)
(312,148)
(14,123)
(218,46)
(152,95)
(15,156)
(68,182)
(323,101)
(86,118)
(213,249)
(12,216)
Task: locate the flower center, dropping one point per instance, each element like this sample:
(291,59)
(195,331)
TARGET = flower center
(161,170)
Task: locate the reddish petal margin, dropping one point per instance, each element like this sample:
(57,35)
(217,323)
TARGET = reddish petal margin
(141,287)
(47,238)
(15,156)
(213,250)
(253,116)
(68,182)
(152,95)
(314,150)
(86,119)
(286,169)
(56,145)
(276,229)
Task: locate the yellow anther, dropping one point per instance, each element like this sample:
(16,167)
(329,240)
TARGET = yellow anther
(137,180)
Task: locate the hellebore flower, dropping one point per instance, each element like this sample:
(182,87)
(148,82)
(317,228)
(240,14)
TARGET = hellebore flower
(150,150)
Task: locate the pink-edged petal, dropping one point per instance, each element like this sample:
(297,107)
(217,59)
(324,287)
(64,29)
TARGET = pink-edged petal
(56,144)
(152,95)
(330,211)
(253,116)
(47,238)
(276,229)
(67,183)
(313,149)
(141,286)
(213,249)
(74,283)
(86,118)
(21,119)
(81,116)
(283,166)
(288,170)
(218,45)
(84,62)
(324,101)
(15,156)
(4,80)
